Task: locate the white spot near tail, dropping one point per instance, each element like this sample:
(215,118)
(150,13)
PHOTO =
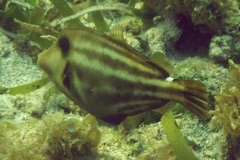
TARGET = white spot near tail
(169,79)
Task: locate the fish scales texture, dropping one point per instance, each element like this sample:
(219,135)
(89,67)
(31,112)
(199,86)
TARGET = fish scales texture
(111,80)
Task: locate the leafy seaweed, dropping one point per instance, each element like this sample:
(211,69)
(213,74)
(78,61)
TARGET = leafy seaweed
(99,20)
(26,88)
(65,10)
(175,137)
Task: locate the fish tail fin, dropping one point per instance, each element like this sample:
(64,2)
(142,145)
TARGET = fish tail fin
(194,97)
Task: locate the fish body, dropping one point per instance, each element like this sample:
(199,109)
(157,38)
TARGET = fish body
(111,80)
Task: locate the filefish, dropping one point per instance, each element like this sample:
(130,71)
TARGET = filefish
(111,80)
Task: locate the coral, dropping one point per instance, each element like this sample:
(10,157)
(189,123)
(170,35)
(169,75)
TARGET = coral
(56,136)
(216,16)
(227,112)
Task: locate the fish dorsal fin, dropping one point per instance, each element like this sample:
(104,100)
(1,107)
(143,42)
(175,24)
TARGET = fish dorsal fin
(161,60)
(158,60)
(117,33)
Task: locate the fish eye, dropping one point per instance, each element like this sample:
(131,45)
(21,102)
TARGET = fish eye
(64,44)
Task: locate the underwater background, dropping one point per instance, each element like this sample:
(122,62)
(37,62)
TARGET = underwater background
(201,40)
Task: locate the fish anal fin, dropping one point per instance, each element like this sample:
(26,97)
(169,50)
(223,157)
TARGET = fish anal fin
(114,119)
(131,122)
(164,108)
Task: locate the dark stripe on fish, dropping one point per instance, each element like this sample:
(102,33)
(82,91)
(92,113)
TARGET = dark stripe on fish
(146,91)
(117,47)
(116,64)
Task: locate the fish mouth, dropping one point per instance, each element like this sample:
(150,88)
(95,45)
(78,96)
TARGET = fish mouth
(52,62)
(56,67)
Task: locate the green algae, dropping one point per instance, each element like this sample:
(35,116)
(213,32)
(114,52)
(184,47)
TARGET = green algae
(65,10)
(226,115)
(175,137)
(98,19)
(26,88)
(55,136)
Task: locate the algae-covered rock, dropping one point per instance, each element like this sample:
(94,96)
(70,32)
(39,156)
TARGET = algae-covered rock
(220,48)
(216,16)
(224,47)
(56,136)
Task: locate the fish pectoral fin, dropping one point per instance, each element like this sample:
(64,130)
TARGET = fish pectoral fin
(195,97)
